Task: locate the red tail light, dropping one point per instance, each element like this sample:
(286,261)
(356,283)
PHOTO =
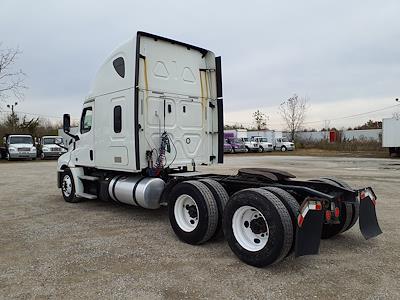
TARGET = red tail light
(328,215)
(337,212)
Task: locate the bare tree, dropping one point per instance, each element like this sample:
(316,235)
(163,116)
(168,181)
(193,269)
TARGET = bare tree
(293,112)
(11,79)
(260,119)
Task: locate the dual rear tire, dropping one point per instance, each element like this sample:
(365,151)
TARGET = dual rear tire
(258,227)
(195,210)
(258,223)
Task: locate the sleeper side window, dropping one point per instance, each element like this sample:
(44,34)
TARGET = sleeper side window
(117,119)
(119,66)
(86,119)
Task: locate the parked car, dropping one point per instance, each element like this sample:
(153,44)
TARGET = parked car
(49,147)
(17,146)
(237,145)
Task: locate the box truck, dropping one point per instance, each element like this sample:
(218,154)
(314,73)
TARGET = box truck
(155,112)
(232,137)
(391,135)
(50,146)
(18,146)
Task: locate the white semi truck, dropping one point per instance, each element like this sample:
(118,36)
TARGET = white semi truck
(154,114)
(391,135)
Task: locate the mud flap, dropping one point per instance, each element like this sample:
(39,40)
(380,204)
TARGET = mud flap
(368,222)
(308,233)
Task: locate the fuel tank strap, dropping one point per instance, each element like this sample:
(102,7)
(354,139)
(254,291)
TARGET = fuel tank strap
(134,190)
(114,197)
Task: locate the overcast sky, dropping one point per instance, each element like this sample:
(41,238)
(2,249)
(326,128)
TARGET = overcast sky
(342,55)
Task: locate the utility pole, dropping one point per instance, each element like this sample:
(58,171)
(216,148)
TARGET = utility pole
(13,116)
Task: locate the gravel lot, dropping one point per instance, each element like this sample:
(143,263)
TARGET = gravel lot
(53,249)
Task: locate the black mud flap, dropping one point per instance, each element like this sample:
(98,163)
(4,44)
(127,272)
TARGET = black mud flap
(308,234)
(368,221)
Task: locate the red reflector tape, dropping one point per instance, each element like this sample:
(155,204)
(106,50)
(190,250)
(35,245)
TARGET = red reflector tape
(300,220)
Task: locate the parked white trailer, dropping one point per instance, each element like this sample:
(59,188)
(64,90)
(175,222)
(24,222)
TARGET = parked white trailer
(140,144)
(391,135)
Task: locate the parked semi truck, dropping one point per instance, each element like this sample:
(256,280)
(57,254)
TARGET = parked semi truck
(391,135)
(50,147)
(141,144)
(18,146)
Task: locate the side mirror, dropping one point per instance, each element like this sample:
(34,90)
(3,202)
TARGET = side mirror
(58,141)
(66,123)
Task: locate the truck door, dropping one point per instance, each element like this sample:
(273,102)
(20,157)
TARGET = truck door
(278,143)
(83,155)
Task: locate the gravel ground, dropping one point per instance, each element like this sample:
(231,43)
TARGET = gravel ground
(53,249)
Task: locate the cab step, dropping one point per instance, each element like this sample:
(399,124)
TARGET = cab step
(86,195)
(89,178)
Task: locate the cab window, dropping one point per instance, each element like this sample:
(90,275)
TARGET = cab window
(86,119)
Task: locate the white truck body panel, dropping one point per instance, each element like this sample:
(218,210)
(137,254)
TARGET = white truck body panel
(391,132)
(172,88)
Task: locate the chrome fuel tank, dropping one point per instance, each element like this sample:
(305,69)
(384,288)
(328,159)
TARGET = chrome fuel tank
(137,190)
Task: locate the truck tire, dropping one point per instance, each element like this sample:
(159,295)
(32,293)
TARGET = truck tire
(355,207)
(283,148)
(193,212)
(68,187)
(292,206)
(260,149)
(42,156)
(8,157)
(258,227)
(330,230)
(221,197)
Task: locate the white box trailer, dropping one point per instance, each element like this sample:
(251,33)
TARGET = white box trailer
(155,112)
(391,135)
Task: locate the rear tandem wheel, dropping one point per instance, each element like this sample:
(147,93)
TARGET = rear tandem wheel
(257,227)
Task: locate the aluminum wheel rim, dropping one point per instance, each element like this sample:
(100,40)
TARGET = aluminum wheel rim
(67,186)
(186,213)
(243,226)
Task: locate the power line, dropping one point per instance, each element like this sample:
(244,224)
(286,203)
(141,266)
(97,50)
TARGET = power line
(335,119)
(36,115)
